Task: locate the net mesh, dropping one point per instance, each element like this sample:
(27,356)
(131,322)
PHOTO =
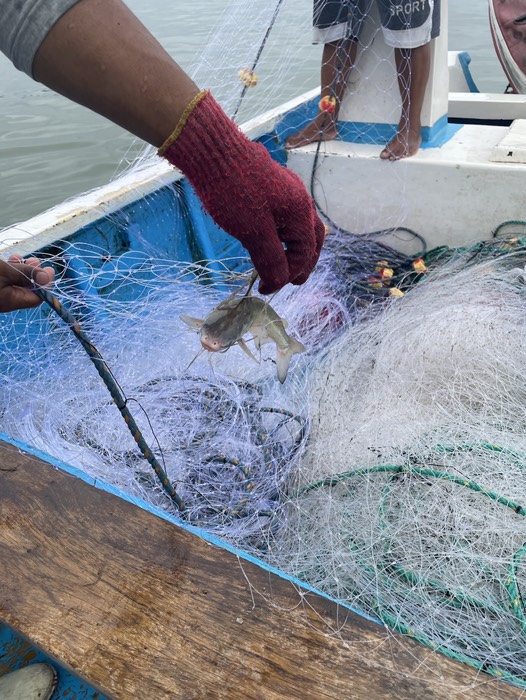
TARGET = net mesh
(387,471)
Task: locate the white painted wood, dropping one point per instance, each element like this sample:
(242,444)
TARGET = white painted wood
(512,147)
(486,106)
(450,195)
(457,78)
(69,216)
(453,194)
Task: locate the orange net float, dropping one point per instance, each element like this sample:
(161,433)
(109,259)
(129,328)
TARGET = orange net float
(419,265)
(328,104)
(248,77)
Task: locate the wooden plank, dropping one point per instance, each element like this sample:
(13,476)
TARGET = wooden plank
(143,609)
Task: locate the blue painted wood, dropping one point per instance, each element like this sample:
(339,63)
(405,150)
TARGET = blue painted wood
(17,652)
(465,59)
(380,134)
(351,132)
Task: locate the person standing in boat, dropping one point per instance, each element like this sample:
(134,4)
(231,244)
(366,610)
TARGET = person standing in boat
(97,53)
(408,27)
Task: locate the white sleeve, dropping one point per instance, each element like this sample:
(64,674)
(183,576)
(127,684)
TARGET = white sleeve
(24,26)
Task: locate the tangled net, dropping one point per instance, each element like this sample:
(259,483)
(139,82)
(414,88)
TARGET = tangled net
(388,470)
(410,502)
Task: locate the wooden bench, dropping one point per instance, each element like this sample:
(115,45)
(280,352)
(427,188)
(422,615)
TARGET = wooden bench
(143,609)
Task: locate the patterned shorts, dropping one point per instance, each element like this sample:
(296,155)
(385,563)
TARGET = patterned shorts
(405,23)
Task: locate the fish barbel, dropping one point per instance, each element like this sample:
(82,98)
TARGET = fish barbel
(230,320)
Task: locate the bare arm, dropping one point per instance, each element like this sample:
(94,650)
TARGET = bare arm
(101,56)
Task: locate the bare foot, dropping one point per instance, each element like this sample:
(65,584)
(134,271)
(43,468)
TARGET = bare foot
(404,144)
(322,128)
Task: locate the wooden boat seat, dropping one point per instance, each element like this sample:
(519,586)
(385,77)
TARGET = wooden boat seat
(143,609)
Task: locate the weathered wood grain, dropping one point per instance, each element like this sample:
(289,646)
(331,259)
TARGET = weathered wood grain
(143,609)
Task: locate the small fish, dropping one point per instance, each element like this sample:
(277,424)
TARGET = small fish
(230,320)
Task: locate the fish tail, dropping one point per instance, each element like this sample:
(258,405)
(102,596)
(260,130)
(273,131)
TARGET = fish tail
(283,357)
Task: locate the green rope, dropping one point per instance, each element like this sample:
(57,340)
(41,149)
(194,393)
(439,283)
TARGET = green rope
(456,598)
(504,224)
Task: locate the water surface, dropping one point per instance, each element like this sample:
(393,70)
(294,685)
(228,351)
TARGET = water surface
(51,149)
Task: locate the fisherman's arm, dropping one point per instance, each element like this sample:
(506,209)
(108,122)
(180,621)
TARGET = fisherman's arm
(97,53)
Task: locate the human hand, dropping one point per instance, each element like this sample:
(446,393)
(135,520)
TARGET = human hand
(17,279)
(253,198)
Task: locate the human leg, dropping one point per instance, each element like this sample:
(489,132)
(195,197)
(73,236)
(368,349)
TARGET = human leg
(337,25)
(413,67)
(337,60)
(409,28)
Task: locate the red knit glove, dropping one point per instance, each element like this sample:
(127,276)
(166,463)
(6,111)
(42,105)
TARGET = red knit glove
(254,199)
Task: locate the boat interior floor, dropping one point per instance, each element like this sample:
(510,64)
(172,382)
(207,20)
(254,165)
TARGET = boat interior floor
(143,608)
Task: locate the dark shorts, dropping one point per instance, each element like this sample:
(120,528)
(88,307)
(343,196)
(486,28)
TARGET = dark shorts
(405,23)
(404,15)
(332,13)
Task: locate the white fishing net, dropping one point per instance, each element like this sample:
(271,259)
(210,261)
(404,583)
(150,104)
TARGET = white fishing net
(386,471)
(226,430)
(410,499)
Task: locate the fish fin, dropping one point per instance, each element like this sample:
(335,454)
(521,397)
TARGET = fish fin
(282,364)
(284,322)
(232,297)
(260,337)
(283,357)
(246,349)
(191,321)
(296,347)
(253,278)
(229,303)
